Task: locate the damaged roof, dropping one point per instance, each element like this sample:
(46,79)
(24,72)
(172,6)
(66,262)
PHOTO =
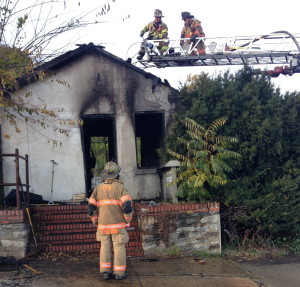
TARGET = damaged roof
(87,49)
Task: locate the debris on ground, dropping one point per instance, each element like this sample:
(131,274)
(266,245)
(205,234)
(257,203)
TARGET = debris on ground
(32,269)
(10,263)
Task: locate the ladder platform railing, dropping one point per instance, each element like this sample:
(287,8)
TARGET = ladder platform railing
(274,48)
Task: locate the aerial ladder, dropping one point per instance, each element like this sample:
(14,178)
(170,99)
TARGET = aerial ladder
(277,48)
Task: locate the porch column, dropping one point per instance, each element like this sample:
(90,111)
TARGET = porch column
(126,151)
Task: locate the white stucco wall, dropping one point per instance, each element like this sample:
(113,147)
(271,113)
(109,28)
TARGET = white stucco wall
(33,139)
(121,92)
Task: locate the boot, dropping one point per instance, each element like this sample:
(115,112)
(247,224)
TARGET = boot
(106,275)
(121,277)
(141,55)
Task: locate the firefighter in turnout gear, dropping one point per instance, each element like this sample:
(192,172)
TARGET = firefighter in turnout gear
(157,30)
(192,29)
(110,209)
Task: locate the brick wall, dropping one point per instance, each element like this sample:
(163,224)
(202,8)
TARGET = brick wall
(10,216)
(14,232)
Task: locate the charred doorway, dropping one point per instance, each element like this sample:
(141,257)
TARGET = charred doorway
(149,137)
(99,146)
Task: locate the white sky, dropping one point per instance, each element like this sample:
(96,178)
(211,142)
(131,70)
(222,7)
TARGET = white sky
(219,18)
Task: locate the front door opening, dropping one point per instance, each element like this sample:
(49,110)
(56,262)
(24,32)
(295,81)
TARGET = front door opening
(99,146)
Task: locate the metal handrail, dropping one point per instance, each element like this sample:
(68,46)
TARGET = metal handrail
(18,183)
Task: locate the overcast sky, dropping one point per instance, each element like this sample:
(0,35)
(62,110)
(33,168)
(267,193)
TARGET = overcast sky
(219,18)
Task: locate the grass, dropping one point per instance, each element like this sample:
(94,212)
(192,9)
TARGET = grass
(206,255)
(250,254)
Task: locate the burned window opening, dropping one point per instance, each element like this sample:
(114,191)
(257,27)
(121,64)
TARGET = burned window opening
(149,137)
(99,146)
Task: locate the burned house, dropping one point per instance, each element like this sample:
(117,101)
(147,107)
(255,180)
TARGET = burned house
(99,98)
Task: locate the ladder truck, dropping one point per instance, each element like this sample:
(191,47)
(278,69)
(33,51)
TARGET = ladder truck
(277,48)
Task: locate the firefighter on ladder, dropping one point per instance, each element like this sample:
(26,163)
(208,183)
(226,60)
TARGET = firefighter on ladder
(157,31)
(192,29)
(110,209)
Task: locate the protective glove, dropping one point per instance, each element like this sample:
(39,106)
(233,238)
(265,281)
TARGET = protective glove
(91,209)
(193,38)
(127,207)
(142,33)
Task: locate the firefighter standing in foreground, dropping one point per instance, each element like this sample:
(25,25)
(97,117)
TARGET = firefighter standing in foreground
(192,29)
(110,209)
(157,31)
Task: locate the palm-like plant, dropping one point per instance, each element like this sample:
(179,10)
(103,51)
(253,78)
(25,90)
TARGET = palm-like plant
(207,160)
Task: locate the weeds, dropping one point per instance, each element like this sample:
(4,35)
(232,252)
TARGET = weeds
(204,254)
(292,245)
(174,251)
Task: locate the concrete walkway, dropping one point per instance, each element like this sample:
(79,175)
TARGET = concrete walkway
(78,272)
(143,272)
(274,274)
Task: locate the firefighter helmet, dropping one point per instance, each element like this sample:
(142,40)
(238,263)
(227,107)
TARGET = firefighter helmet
(158,13)
(185,15)
(111,170)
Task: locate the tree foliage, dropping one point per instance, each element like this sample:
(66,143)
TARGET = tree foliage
(261,200)
(99,151)
(206,159)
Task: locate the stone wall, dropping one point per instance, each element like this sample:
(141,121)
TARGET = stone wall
(170,229)
(180,228)
(14,233)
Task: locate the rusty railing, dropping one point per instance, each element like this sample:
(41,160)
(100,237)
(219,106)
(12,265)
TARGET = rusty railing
(18,184)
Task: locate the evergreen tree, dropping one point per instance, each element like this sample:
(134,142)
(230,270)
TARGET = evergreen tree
(263,194)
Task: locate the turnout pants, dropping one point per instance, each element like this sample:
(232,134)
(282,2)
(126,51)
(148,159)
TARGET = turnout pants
(117,265)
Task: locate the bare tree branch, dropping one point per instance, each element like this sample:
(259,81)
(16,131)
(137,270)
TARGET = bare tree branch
(27,28)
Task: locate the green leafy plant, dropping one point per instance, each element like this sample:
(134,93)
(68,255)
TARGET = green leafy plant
(206,159)
(292,244)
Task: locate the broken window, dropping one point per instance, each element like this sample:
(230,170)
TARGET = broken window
(149,137)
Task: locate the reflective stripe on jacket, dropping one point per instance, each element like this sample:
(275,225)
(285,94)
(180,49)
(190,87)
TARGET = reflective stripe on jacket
(156,31)
(194,28)
(108,198)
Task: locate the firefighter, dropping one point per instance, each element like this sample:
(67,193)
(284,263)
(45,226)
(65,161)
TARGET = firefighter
(110,209)
(157,31)
(192,29)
